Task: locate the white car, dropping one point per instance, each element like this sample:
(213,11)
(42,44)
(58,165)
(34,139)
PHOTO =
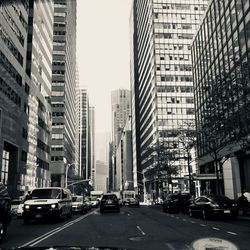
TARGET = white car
(50,202)
(19,212)
(14,206)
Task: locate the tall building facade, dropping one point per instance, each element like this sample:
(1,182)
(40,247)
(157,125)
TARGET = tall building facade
(124,163)
(83,132)
(121,109)
(161,37)
(63,90)
(91,146)
(25,79)
(221,69)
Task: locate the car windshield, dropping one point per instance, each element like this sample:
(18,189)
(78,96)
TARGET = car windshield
(221,199)
(45,194)
(77,199)
(111,197)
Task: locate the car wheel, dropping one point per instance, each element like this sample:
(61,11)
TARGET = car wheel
(204,215)
(190,212)
(2,231)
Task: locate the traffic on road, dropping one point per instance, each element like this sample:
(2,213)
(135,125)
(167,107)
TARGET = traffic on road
(54,217)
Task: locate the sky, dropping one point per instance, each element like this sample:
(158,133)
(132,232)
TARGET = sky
(103,52)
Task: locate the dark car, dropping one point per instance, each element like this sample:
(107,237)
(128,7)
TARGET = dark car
(212,206)
(176,203)
(134,202)
(78,204)
(109,202)
(5,210)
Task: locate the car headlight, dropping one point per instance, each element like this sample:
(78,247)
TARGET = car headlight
(27,207)
(234,204)
(215,205)
(53,206)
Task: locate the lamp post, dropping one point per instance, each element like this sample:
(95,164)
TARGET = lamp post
(66,173)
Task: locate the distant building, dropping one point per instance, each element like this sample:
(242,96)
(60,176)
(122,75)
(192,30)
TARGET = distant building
(83,132)
(91,146)
(101,178)
(221,70)
(63,90)
(124,164)
(162,82)
(121,109)
(25,88)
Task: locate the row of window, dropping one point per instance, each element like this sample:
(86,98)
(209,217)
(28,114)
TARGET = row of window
(9,92)
(56,158)
(42,164)
(174,36)
(10,69)
(182,67)
(43,146)
(182,26)
(187,100)
(58,114)
(170,57)
(175,111)
(42,124)
(176,78)
(175,89)
(13,25)
(13,49)
(179,6)
(19,13)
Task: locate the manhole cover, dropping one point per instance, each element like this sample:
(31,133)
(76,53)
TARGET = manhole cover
(136,238)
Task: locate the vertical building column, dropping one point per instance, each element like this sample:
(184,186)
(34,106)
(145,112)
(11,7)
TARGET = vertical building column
(231,176)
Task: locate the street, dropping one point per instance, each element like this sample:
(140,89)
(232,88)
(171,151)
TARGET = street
(133,228)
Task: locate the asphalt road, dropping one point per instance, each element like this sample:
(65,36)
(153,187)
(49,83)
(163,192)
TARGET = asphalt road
(132,228)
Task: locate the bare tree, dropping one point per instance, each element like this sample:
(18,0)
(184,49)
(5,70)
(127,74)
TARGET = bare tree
(164,158)
(187,141)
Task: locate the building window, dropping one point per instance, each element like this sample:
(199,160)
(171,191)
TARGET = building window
(5,167)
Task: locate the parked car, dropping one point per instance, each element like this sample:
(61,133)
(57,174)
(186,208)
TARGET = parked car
(134,202)
(5,211)
(78,204)
(243,204)
(177,203)
(109,202)
(19,212)
(53,202)
(88,203)
(94,201)
(14,206)
(209,206)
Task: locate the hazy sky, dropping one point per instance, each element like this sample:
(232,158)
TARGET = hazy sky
(103,52)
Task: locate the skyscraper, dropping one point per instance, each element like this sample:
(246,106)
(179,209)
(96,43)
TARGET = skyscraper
(221,66)
(25,66)
(121,109)
(83,132)
(162,84)
(91,146)
(63,90)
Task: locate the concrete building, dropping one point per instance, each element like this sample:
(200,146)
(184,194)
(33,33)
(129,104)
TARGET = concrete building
(26,30)
(121,109)
(101,179)
(161,36)
(91,146)
(63,91)
(83,132)
(124,163)
(221,66)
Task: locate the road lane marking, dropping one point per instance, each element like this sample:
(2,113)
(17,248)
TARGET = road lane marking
(232,233)
(177,217)
(170,246)
(54,231)
(203,225)
(140,230)
(184,219)
(192,221)
(216,228)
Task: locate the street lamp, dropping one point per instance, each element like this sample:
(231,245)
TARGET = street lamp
(66,174)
